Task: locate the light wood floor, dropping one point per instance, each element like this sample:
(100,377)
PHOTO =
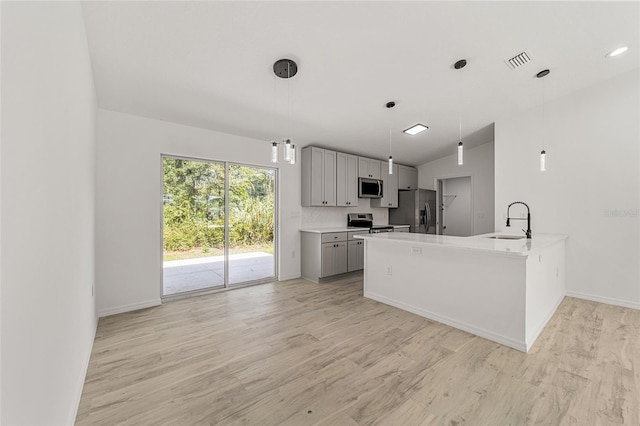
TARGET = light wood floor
(298,353)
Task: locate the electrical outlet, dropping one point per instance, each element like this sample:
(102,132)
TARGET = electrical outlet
(293,254)
(389,270)
(416,250)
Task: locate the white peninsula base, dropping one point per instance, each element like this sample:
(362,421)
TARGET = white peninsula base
(502,290)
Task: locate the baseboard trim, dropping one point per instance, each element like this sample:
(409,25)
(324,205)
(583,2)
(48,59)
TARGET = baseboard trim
(289,277)
(494,337)
(603,299)
(80,387)
(127,308)
(543,324)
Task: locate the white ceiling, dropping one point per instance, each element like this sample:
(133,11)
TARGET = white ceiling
(209,64)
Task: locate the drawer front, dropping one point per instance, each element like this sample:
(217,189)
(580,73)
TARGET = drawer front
(334,236)
(352,234)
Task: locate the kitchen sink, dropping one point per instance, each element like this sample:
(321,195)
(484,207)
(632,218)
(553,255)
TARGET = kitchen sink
(506,237)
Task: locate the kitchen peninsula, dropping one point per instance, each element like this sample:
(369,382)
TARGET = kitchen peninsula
(505,290)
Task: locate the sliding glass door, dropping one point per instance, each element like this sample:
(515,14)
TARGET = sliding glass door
(251,223)
(218,225)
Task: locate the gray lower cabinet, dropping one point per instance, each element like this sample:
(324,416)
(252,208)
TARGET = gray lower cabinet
(331,253)
(355,255)
(334,258)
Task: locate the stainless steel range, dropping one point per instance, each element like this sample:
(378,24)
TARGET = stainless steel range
(365,220)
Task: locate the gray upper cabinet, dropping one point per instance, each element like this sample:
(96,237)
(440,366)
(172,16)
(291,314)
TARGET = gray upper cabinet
(318,177)
(346,180)
(407,178)
(389,189)
(368,168)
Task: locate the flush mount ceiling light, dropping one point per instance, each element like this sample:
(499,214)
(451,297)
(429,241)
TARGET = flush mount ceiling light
(616,52)
(285,68)
(415,129)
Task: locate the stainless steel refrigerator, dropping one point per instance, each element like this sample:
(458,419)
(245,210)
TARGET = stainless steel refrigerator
(416,208)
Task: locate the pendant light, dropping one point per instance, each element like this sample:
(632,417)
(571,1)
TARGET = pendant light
(390,105)
(543,153)
(287,150)
(285,68)
(459,65)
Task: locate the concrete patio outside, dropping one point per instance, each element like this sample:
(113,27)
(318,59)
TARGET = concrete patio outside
(207,272)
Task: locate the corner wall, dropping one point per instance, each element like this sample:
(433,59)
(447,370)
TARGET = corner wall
(47,199)
(591,189)
(479,164)
(129,194)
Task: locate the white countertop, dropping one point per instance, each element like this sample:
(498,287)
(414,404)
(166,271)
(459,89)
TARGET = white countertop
(333,229)
(521,247)
(344,229)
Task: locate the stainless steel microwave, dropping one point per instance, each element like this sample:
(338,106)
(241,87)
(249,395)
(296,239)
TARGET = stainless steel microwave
(369,188)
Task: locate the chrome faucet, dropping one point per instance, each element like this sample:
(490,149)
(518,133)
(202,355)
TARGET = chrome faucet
(528,231)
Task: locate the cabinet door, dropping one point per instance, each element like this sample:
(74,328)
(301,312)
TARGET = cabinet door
(365,167)
(375,169)
(353,256)
(346,180)
(329,178)
(352,180)
(407,177)
(340,258)
(328,259)
(391,187)
(317,180)
(360,253)
(389,190)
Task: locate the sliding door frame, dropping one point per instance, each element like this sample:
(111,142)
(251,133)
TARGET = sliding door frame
(276,228)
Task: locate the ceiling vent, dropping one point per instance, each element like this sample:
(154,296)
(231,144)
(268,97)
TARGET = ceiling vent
(519,60)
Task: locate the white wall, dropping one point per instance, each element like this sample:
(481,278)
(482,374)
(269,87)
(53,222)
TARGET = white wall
(457,212)
(129,193)
(47,195)
(479,164)
(591,190)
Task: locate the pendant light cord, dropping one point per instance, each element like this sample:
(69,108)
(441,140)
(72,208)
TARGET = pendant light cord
(289,96)
(460,108)
(544,126)
(390,123)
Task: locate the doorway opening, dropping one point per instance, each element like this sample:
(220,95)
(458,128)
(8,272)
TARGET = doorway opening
(455,206)
(218,225)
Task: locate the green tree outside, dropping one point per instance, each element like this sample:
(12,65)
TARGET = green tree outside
(193,208)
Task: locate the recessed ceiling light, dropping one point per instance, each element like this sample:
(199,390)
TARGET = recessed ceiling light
(415,129)
(616,52)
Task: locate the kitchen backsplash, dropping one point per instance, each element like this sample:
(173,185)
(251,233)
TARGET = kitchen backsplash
(317,217)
